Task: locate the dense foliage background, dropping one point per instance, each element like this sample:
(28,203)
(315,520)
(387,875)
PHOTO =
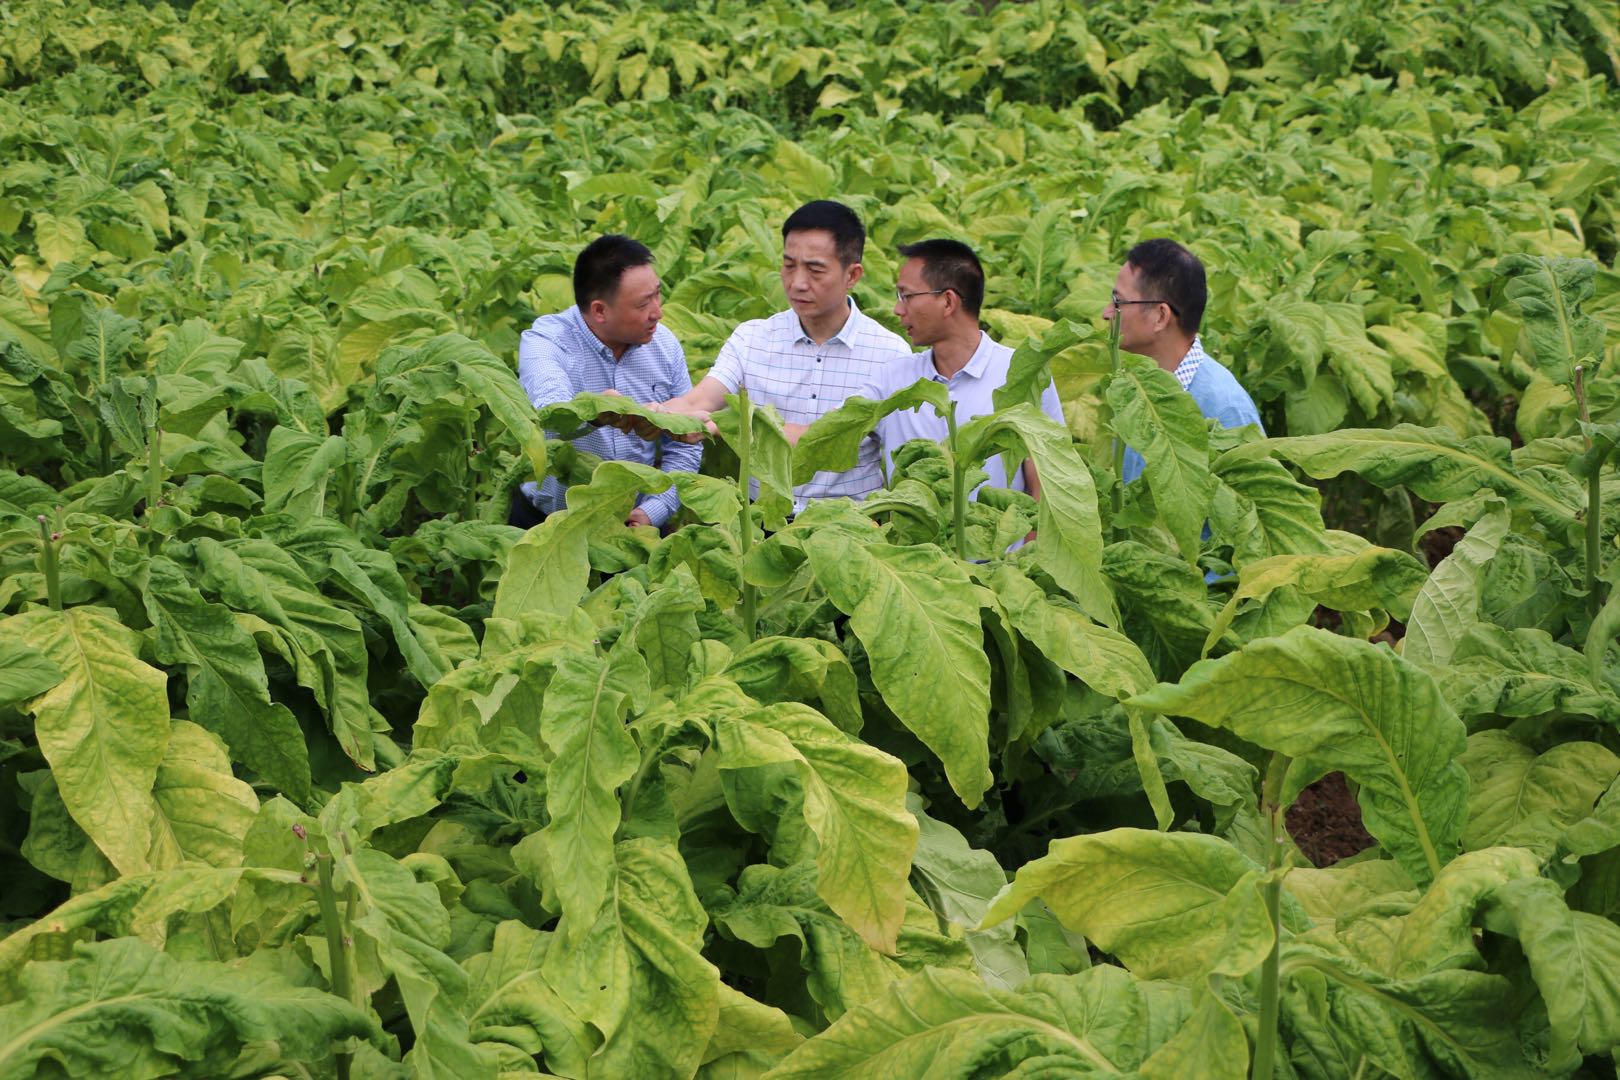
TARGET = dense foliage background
(310,765)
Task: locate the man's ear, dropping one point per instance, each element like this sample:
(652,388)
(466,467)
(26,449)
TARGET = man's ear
(856,271)
(597,311)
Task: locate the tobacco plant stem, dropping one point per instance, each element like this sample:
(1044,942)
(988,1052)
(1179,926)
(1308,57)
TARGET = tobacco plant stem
(1594,506)
(337,949)
(1265,1045)
(745,532)
(958,489)
(48,561)
(1117,499)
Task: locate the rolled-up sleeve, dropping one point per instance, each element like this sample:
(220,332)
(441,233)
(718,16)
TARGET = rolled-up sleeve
(728,365)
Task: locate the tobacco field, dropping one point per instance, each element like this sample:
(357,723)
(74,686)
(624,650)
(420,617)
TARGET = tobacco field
(311,766)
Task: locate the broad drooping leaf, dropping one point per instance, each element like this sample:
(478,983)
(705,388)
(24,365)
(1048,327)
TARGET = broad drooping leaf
(103,728)
(1261,510)
(1374,578)
(1153,414)
(122,1008)
(1432,462)
(1167,904)
(774,669)
(1350,706)
(1517,796)
(547,571)
(569,418)
(1575,959)
(1523,672)
(959,882)
(592,753)
(203,811)
(947,1023)
(637,978)
(25,672)
(405,921)
(833,442)
(854,803)
(1448,604)
(1069,529)
(1103,659)
(916,612)
(1547,293)
(226,686)
(297,468)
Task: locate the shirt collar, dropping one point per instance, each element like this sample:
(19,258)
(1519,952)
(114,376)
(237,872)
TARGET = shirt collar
(590,340)
(976,364)
(845,335)
(1189,364)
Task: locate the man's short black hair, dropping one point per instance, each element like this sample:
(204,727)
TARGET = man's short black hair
(849,235)
(603,262)
(1167,271)
(950,264)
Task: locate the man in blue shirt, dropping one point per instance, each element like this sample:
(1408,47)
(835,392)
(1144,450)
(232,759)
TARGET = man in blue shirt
(1159,298)
(609,342)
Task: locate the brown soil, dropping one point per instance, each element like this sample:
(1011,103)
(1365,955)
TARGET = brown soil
(1326,822)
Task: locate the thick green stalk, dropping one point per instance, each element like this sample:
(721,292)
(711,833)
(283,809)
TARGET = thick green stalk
(1594,506)
(958,488)
(1265,1045)
(50,565)
(1117,499)
(745,522)
(337,946)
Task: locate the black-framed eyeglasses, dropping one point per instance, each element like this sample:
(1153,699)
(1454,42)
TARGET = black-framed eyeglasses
(1119,303)
(903,297)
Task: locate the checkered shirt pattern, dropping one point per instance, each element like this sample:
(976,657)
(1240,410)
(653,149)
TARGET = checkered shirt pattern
(1189,364)
(782,367)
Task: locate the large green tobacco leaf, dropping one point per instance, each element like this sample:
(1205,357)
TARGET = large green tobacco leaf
(1374,578)
(1168,905)
(103,728)
(1069,544)
(833,442)
(1447,1023)
(548,570)
(582,724)
(770,455)
(1547,292)
(854,802)
(297,467)
(637,997)
(1516,795)
(25,672)
(949,1024)
(226,687)
(405,921)
(1448,604)
(959,882)
(569,418)
(1349,706)
(1497,672)
(1261,510)
(1434,463)
(323,644)
(916,612)
(203,811)
(121,1008)
(1103,659)
(1164,602)
(774,669)
(748,1038)
(1156,416)
(1575,959)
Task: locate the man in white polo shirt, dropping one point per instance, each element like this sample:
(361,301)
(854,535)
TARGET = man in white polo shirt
(938,294)
(805,361)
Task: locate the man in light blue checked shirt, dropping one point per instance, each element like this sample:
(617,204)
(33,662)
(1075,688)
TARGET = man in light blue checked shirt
(609,342)
(1159,298)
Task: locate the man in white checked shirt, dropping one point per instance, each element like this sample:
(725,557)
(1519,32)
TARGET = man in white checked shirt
(805,361)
